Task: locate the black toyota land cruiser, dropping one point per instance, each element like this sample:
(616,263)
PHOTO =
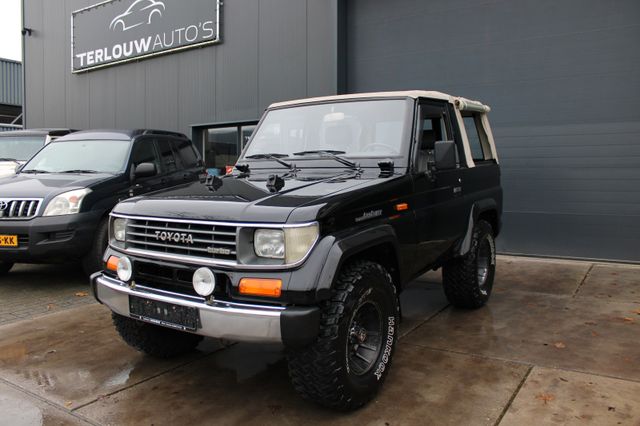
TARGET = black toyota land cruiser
(333,207)
(56,208)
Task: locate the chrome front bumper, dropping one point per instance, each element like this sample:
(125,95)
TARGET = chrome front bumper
(232,321)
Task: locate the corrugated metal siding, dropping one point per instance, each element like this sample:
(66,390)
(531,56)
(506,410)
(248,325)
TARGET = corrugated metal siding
(563,83)
(271,50)
(10,82)
(8,127)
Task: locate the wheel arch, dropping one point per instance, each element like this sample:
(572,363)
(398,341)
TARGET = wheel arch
(485,209)
(377,244)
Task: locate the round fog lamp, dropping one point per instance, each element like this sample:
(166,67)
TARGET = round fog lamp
(204,282)
(125,269)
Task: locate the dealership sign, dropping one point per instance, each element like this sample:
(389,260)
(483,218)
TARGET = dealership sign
(117,31)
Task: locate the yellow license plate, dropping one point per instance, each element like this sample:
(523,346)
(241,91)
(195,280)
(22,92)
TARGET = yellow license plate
(8,241)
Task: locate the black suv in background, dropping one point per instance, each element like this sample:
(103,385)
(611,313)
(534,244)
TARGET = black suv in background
(55,209)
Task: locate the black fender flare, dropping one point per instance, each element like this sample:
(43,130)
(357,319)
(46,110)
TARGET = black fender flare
(477,208)
(345,248)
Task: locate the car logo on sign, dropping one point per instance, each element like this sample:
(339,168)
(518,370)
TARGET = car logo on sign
(139,13)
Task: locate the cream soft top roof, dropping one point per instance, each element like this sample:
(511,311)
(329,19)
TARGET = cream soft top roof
(461,103)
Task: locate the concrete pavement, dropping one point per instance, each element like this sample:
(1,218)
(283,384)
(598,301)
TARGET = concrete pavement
(557,344)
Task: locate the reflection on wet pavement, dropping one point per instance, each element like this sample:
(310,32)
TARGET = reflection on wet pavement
(424,387)
(451,366)
(19,409)
(73,357)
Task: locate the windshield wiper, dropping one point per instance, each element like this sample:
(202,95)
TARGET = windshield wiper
(9,159)
(331,154)
(79,171)
(273,156)
(34,171)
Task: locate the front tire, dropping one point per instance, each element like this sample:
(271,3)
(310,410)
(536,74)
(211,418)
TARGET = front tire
(346,366)
(468,280)
(92,262)
(153,340)
(5,267)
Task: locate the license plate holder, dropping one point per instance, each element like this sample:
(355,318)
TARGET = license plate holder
(8,241)
(184,318)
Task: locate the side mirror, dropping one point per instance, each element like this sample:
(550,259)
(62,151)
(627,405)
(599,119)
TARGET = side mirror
(445,155)
(145,170)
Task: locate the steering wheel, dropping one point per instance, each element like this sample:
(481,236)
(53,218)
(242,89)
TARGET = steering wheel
(371,147)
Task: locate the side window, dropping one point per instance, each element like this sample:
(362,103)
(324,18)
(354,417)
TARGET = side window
(186,153)
(478,142)
(433,127)
(144,152)
(167,156)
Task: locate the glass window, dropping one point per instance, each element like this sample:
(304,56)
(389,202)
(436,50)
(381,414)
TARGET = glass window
(20,148)
(186,152)
(145,152)
(167,157)
(221,149)
(474,138)
(97,155)
(366,129)
(246,132)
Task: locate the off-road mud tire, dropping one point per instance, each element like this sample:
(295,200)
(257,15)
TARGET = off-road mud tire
(461,278)
(153,340)
(323,372)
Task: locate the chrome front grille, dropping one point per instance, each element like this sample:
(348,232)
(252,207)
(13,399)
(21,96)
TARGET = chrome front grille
(205,241)
(22,208)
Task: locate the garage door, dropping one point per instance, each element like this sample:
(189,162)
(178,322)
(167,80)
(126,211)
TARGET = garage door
(563,81)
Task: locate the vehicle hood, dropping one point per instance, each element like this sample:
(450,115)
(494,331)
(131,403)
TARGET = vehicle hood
(244,199)
(46,185)
(8,168)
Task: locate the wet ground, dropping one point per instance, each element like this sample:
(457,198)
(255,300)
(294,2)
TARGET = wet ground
(559,343)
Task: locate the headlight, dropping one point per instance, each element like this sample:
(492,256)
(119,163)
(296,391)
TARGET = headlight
(269,243)
(298,242)
(290,244)
(118,229)
(124,269)
(67,203)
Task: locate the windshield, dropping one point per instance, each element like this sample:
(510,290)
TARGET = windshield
(20,148)
(357,129)
(104,156)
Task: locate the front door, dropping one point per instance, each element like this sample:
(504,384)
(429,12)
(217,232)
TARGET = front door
(438,194)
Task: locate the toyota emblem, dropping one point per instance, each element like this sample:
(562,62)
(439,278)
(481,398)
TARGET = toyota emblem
(3,205)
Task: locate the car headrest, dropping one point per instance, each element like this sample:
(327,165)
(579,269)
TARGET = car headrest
(339,135)
(428,139)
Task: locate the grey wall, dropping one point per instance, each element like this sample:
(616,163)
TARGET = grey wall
(562,77)
(563,81)
(271,50)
